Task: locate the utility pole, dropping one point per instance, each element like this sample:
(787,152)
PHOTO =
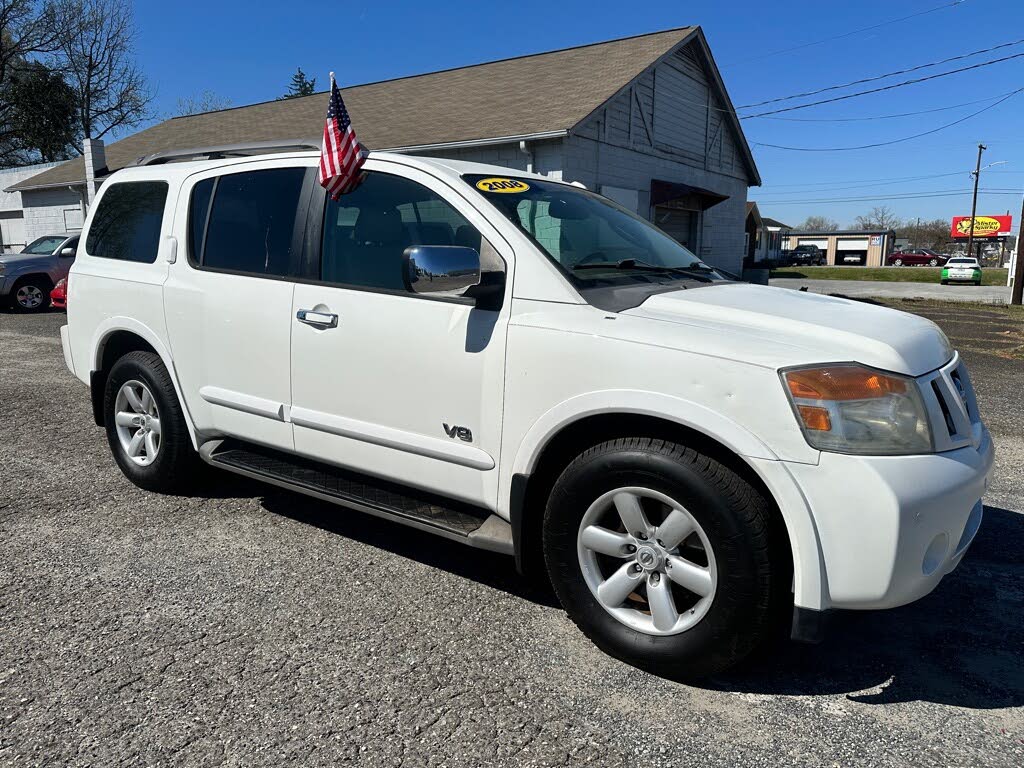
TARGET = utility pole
(974,201)
(1018,262)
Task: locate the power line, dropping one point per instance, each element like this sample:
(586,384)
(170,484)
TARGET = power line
(881,77)
(845,34)
(871,198)
(829,186)
(893,141)
(885,87)
(881,117)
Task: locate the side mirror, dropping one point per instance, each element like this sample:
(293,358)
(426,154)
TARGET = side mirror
(440,270)
(67,251)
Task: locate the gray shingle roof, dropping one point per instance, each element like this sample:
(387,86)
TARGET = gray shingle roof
(524,96)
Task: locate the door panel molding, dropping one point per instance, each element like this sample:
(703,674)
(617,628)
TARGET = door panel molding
(239,401)
(400,440)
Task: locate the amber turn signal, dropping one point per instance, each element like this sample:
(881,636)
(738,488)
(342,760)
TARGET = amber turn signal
(842,382)
(815,418)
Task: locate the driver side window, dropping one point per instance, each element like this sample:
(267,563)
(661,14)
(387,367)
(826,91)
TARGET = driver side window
(367,230)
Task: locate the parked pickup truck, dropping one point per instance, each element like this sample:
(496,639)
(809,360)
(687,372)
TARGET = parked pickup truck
(27,278)
(806,256)
(523,366)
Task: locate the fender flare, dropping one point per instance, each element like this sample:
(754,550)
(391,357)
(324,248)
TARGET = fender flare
(809,581)
(111,325)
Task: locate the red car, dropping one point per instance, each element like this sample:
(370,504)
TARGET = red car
(59,294)
(916,258)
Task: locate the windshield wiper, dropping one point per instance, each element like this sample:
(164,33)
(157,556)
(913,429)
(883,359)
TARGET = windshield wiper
(692,272)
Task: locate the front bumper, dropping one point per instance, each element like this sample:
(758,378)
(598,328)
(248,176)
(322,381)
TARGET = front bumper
(891,527)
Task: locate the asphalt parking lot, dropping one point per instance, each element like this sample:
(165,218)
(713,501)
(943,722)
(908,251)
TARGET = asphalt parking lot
(253,627)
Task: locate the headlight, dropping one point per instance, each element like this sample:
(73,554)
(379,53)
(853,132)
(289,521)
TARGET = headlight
(848,408)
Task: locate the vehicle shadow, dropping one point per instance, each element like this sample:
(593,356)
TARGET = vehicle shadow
(488,568)
(963,645)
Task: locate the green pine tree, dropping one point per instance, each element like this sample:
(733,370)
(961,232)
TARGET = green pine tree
(300,85)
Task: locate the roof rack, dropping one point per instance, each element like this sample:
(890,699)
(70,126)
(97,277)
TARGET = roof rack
(228,150)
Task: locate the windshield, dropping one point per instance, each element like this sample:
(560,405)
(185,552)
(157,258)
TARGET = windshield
(588,236)
(44,245)
(971,262)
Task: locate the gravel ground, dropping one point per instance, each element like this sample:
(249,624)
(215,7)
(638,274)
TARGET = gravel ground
(253,627)
(987,294)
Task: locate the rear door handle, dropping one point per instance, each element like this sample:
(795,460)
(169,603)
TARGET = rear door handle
(317,319)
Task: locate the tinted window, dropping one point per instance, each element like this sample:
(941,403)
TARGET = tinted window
(252,222)
(198,213)
(366,230)
(126,225)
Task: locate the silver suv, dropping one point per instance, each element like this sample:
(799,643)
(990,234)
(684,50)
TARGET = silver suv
(27,278)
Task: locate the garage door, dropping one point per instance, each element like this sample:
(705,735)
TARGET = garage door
(821,242)
(851,244)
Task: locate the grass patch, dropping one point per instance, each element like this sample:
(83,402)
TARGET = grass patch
(989,275)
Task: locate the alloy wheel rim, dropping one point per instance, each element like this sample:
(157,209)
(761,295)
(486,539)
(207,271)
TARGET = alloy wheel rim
(137,421)
(647,561)
(29,296)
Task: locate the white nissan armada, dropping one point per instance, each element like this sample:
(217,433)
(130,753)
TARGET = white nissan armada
(523,366)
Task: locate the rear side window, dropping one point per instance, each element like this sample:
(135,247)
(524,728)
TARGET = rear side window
(245,222)
(126,225)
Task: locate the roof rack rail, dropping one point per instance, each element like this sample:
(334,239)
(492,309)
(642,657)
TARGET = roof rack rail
(244,149)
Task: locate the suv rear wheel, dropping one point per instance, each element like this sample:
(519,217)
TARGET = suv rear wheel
(146,427)
(31,294)
(662,556)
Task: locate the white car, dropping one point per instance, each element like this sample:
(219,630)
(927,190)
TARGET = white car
(522,365)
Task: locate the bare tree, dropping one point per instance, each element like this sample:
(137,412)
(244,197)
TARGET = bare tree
(207,101)
(819,224)
(98,61)
(879,217)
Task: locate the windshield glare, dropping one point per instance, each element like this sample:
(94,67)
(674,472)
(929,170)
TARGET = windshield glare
(44,245)
(587,235)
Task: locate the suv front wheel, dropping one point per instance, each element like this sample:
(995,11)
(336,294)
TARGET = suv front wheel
(31,294)
(146,427)
(663,556)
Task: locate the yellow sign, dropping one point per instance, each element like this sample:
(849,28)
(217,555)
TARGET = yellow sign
(983,225)
(502,185)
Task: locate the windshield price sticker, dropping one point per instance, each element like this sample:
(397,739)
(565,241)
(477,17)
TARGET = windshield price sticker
(501,185)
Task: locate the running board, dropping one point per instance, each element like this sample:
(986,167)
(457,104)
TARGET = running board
(453,520)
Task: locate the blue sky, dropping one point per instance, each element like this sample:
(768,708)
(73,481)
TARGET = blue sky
(247,51)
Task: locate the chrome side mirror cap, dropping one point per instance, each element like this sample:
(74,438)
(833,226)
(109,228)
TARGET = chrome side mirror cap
(67,251)
(440,270)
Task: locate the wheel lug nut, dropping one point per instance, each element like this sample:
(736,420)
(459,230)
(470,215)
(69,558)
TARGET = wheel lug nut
(658,541)
(655,578)
(631,548)
(642,536)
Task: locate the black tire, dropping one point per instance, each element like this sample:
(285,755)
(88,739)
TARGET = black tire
(977,283)
(944,282)
(897,262)
(933,263)
(177,466)
(753,571)
(38,283)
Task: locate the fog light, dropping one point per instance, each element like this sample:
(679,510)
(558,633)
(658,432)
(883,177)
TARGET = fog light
(935,554)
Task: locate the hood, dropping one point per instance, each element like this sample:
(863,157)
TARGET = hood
(781,327)
(24,258)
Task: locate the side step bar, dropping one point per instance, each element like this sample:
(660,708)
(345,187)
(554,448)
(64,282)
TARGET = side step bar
(453,520)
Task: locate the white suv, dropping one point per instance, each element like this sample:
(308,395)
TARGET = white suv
(524,366)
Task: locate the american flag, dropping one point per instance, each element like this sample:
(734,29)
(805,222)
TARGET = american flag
(341,155)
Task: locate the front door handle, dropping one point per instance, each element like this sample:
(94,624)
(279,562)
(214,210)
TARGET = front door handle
(317,319)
